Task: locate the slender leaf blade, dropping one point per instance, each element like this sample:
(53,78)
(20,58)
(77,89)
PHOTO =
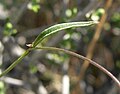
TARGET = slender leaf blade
(55,28)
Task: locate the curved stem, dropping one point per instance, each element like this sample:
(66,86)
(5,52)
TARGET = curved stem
(63,50)
(81,57)
(15,63)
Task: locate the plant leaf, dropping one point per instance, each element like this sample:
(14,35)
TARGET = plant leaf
(55,28)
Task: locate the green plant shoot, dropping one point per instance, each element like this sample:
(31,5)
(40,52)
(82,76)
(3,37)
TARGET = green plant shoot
(47,32)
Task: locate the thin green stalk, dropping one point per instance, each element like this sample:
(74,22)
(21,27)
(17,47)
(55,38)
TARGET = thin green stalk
(15,63)
(45,33)
(81,57)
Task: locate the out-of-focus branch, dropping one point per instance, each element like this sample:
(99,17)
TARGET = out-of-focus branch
(92,44)
(31,32)
(92,5)
(15,18)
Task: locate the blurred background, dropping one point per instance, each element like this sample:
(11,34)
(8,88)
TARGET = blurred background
(50,72)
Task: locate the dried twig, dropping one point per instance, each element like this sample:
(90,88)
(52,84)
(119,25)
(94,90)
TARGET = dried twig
(92,44)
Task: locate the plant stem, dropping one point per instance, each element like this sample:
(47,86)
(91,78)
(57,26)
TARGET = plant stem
(63,50)
(15,63)
(84,58)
